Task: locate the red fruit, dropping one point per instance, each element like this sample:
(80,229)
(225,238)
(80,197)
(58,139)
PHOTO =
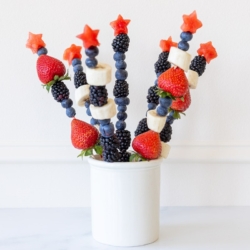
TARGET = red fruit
(148,145)
(48,67)
(174,81)
(181,105)
(83,135)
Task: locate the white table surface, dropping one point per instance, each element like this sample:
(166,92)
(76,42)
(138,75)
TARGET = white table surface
(70,229)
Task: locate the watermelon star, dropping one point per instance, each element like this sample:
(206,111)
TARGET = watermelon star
(191,23)
(89,37)
(167,44)
(72,52)
(120,25)
(35,42)
(208,51)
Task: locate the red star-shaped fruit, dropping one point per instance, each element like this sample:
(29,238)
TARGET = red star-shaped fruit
(120,25)
(72,52)
(89,37)
(191,23)
(208,51)
(167,44)
(35,42)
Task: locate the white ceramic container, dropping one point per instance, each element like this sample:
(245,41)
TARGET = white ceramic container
(125,202)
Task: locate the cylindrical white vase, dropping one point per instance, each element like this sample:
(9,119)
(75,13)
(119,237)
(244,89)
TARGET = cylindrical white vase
(125,202)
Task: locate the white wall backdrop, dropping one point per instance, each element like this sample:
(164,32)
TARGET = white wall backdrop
(209,163)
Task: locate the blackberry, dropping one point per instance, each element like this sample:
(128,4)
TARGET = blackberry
(142,127)
(121,89)
(124,138)
(111,155)
(80,79)
(124,156)
(60,91)
(162,64)
(198,64)
(121,43)
(98,95)
(166,133)
(110,152)
(152,97)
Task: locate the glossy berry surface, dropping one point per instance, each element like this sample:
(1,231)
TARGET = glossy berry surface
(165,102)
(152,97)
(166,133)
(60,91)
(151,106)
(122,101)
(42,51)
(142,127)
(122,108)
(93,121)
(124,138)
(77,67)
(162,64)
(183,45)
(91,62)
(121,43)
(121,74)
(107,130)
(70,112)
(119,56)
(79,79)
(104,122)
(186,36)
(121,89)
(121,64)
(120,125)
(161,111)
(76,61)
(67,103)
(122,116)
(198,64)
(92,51)
(98,96)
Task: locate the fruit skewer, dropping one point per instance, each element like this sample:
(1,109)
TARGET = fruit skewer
(100,106)
(120,46)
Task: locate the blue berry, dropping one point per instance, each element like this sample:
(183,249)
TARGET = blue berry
(70,112)
(170,119)
(121,64)
(107,130)
(42,51)
(91,62)
(161,111)
(156,82)
(120,125)
(77,67)
(151,105)
(92,51)
(121,74)
(87,104)
(183,45)
(67,103)
(104,122)
(165,102)
(121,116)
(93,121)
(122,108)
(88,112)
(186,36)
(158,74)
(76,61)
(122,101)
(119,56)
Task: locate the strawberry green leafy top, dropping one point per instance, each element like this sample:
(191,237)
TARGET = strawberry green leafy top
(72,52)
(35,42)
(191,23)
(208,51)
(120,25)
(167,44)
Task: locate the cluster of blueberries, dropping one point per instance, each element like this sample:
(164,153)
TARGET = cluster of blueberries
(185,38)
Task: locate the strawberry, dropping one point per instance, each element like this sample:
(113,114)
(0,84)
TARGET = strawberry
(182,104)
(174,82)
(148,145)
(48,67)
(83,135)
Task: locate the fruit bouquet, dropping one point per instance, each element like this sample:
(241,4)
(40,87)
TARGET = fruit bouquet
(169,97)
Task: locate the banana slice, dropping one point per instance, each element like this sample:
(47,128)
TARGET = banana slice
(179,58)
(82,94)
(155,122)
(105,112)
(99,76)
(165,148)
(192,77)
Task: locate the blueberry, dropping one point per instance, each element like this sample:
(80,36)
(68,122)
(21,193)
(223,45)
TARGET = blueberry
(104,122)
(151,106)
(76,61)
(119,56)
(67,103)
(161,111)
(92,51)
(91,62)
(122,108)
(170,119)
(165,102)
(122,101)
(186,36)
(77,67)
(70,112)
(158,74)
(88,112)
(156,82)
(42,51)
(120,125)
(93,121)
(121,116)
(121,64)
(121,74)
(87,104)
(107,130)
(183,45)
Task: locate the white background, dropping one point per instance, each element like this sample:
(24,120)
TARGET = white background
(210,156)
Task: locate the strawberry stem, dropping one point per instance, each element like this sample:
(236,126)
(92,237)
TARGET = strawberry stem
(135,157)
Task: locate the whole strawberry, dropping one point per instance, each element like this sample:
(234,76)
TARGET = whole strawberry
(182,104)
(48,67)
(148,145)
(174,82)
(83,135)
